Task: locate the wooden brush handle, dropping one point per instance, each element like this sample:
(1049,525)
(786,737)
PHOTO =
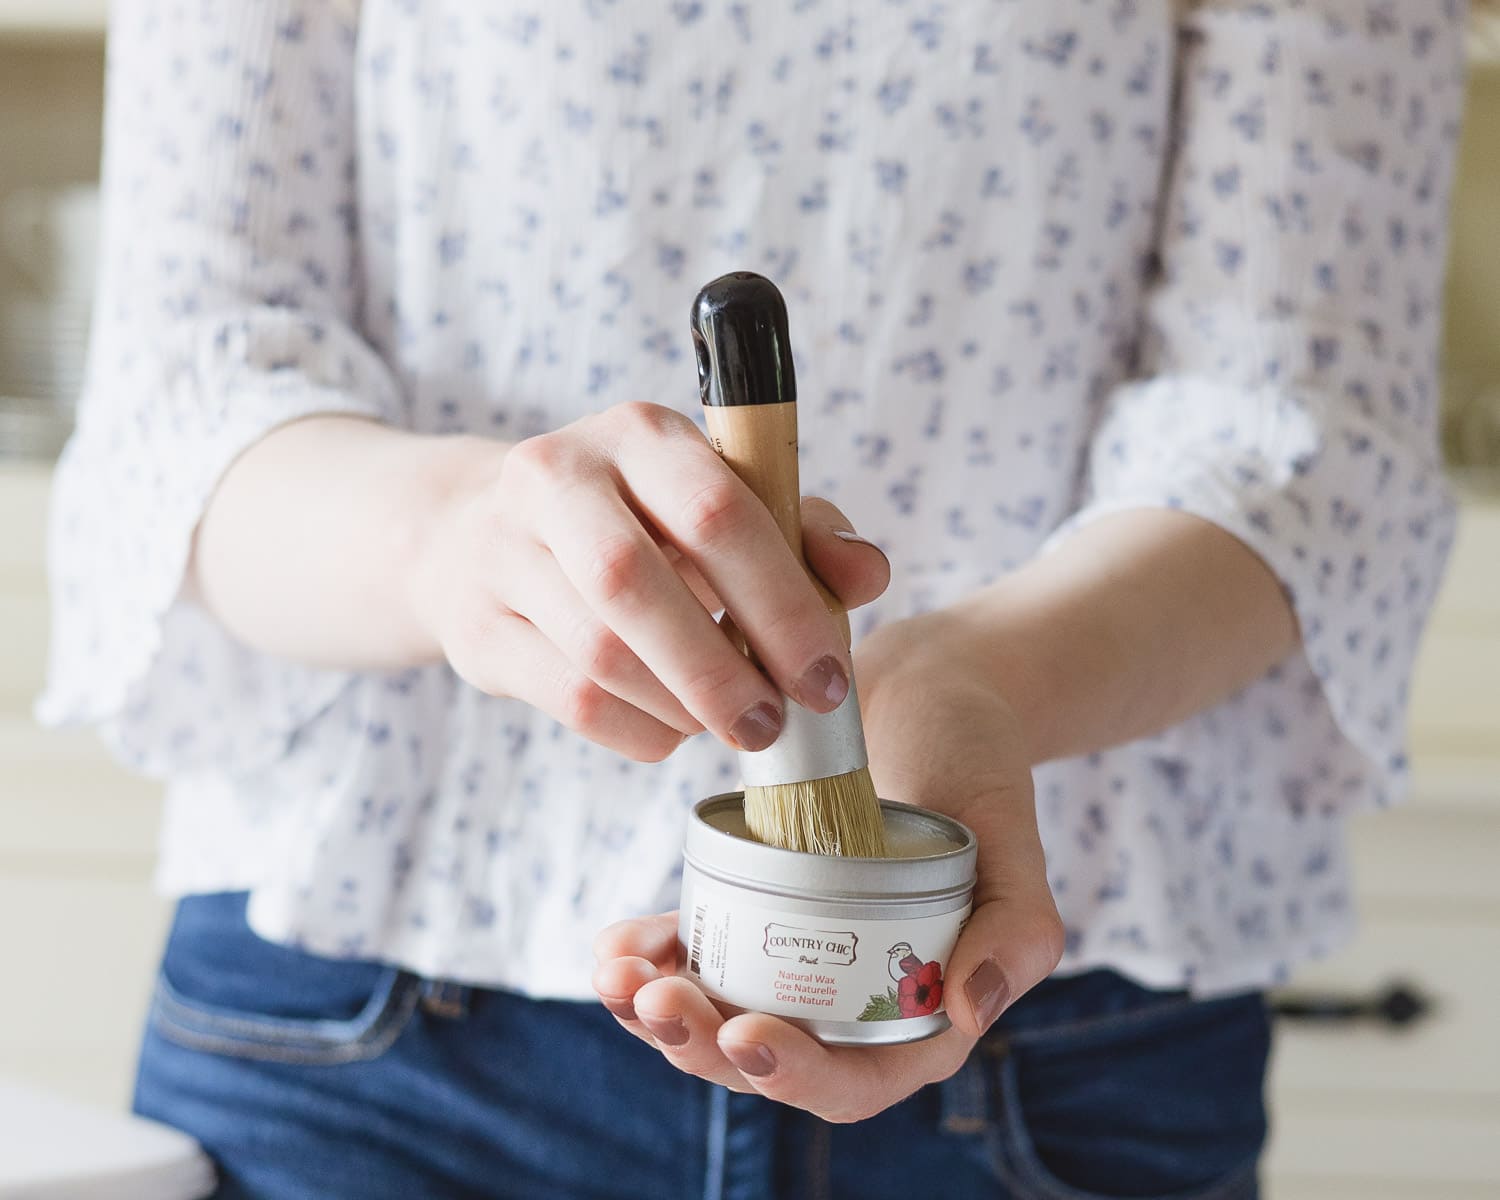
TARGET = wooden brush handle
(759,444)
(749,392)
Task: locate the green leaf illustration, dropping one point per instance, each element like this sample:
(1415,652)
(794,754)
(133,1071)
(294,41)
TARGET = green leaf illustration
(882,1008)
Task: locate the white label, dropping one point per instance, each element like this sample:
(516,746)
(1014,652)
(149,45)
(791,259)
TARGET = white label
(759,957)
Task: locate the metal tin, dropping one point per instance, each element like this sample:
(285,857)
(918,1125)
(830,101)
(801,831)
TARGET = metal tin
(854,950)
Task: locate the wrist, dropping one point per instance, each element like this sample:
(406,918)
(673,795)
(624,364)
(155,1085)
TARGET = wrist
(448,477)
(954,656)
(1013,643)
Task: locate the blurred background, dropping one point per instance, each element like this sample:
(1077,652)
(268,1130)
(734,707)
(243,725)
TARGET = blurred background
(1387,1076)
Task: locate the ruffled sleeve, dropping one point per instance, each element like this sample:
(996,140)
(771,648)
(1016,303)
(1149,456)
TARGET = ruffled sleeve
(227,306)
(1289,387)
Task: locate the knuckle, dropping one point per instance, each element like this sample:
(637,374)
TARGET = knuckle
(473,646)
(818,511)
(660,748)
(653,419)
(601,654)
(796,618)
(544,456)
(617,568)
(713,512)
(477,626)
(713,681)
(583,703)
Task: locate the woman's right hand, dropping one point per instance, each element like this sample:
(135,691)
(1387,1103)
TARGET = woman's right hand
(579,574)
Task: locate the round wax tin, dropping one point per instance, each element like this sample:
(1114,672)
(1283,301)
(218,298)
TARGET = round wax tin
(854,950)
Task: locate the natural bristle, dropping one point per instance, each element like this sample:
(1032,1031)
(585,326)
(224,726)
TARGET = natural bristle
(840,815)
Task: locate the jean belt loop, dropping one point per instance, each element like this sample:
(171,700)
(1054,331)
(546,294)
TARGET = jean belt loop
(443,998)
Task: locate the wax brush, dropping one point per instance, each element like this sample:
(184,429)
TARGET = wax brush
(811,789)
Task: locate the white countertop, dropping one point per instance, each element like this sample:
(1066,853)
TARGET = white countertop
(58,1150)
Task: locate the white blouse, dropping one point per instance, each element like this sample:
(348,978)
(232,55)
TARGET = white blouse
(1043,261)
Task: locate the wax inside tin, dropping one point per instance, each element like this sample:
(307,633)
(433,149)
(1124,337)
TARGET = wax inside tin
(903,839)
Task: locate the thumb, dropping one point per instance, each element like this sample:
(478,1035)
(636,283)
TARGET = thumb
(853,569)
(1014,937)
(1005,950)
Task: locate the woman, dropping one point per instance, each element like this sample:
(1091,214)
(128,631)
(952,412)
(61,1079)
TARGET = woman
(386,541)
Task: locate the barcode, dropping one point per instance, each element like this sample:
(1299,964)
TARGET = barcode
(695,949)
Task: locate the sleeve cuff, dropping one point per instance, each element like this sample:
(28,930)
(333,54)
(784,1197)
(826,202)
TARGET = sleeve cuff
(169,689)
(1354,523)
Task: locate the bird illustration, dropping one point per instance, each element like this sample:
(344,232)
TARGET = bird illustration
(903,962)
(919,985)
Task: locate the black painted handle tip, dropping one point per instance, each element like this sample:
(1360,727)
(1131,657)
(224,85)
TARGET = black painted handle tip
(741,339)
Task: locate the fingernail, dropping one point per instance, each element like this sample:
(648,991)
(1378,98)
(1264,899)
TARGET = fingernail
(619,1007)
(849,535)
(824,683)
(757,727)
(988,992)
(669,1031)
(749,1058)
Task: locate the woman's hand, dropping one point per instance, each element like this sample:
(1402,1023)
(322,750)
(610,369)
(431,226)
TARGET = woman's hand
(940,735)
(578,572)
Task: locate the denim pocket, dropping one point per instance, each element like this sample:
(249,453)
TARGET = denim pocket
(226,991)
(1164,1102)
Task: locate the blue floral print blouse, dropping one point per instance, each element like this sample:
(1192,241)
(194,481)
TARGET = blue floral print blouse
(1044,261)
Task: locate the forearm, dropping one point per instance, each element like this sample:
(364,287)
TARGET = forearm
(1131,625)
(308,545)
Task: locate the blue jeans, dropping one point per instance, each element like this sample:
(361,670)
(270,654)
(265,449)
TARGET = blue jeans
(309,1077)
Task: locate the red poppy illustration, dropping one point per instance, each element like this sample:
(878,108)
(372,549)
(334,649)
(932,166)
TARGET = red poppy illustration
(921,993)
(918,991)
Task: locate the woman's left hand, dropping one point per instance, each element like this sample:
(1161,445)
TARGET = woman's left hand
(940,736)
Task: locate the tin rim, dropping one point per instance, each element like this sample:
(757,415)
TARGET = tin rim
(871,1033)
(743,862)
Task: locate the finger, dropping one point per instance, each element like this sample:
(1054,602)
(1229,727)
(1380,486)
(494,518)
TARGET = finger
(1005,950)
(693,577)
(531,669)
(714,518)
(854,569)
(838,1083)
(1014,937)
(611,561)
(537,590)
(616,983)
(651,938)
(685,1024)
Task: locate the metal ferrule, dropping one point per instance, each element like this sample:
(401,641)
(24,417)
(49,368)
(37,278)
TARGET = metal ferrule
(810,746)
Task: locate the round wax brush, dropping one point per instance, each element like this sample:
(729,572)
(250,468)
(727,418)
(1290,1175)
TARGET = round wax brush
(811,789)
